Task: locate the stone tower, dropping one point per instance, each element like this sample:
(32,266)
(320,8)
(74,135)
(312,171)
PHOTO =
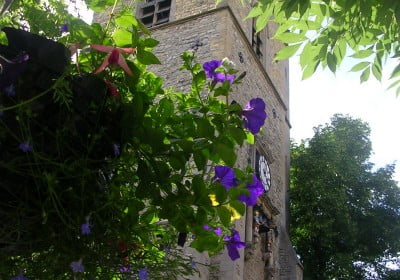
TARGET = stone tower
(215,32)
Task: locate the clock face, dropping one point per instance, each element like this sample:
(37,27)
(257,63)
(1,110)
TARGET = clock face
(263,171)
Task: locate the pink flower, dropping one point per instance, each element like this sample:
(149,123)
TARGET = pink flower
(114,57)
(112,89)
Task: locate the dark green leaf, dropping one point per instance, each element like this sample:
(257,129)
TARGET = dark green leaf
(224,215)
(146,57)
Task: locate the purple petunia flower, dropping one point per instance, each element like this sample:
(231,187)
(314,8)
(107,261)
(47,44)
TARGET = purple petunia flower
(206,227)
(116,149)
(20,276)
(225,176)
(143,273)
(233,243)
(255,190)
(10,91)
(125,269)
(64,27)
(77,266)
(254,115)
(210,67)
(11,70)
(85,228)
(25,147)
(217,231)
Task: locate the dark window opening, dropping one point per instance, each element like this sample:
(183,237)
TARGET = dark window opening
(164,5)
(155,12)
(148,10)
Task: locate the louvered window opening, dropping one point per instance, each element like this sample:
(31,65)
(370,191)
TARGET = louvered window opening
(155,12)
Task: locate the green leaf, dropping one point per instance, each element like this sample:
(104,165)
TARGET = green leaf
(287,52)
(396,72)
(394,84)
(239,206)
(290,37)
(199,80)
(220,193)
(206,242)
(263,19)
(377,72)
(310,69)
(250,138)
(99,5)
(122,38)
(146,57)
(255,12)
(238,134)
(135,38)
(126,20)
(199,159)
(149,42)
(205,128)
(227,153)
(143,28)
(360,66)
(224,215)
(331,60)
(365,75)
(363,54)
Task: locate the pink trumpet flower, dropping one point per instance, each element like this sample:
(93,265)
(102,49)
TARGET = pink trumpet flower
(114,57)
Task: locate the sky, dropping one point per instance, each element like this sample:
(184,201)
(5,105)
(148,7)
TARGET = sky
(314,101)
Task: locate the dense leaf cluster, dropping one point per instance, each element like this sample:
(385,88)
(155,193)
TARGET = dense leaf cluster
(325,32)
(345,218)
(102,169)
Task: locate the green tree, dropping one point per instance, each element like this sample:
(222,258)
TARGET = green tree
(345,217)
(328,31)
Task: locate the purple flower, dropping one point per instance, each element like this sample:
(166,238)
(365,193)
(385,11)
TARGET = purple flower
(77,266)
(116,149)
(210,67)
(85,228)
(233,243)
(254,115)
(125,269)
(143,273)
(25,147)
(20,276)
(225,176)
(64,27)
(11,70)
(206,227)
(10,91)
(218,231)
(255,190)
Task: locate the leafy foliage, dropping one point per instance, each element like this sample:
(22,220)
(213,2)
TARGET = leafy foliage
(105,168)
(326,32)
(345,218)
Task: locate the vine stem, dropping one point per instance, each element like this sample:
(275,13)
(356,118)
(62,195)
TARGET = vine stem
(26,101)
(111,16)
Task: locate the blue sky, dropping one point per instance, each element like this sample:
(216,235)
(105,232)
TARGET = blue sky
(315,100)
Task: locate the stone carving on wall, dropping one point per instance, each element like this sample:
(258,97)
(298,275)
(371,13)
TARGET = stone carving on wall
(265,232)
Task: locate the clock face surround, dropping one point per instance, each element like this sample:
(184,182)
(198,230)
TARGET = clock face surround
(263,171)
